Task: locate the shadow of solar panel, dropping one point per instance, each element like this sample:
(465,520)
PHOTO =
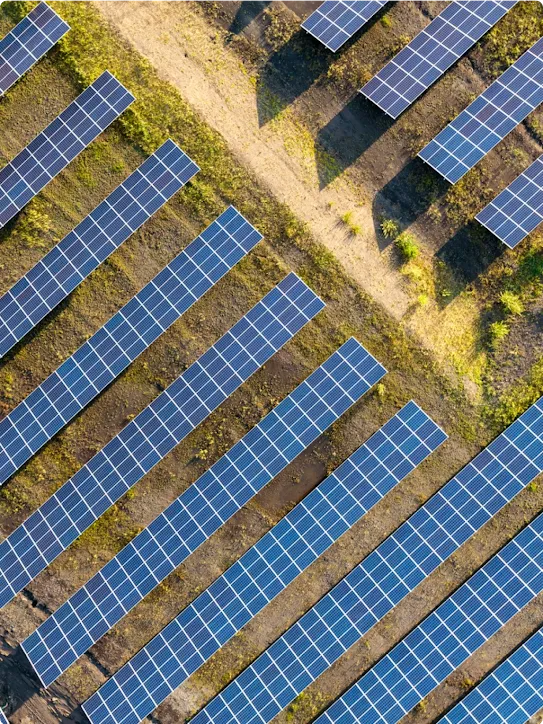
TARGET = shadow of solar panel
(491,116)
(99,234)
(152,434)
(335,21)
(448,636)
(518,210)
(388,574)
(511,694)
(28,42)
(413,70)
(267,568)
(63,139)
(202,509)
(120,341)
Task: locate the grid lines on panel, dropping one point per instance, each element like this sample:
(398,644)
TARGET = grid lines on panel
(267,568)
(28,42)
(448,636)
(119,342)
(491,116)
(58,144)
(397,565)
(518,210)
(99,234)
(3,718)
(413,70)
(511,694)
(335,21)
(152,434)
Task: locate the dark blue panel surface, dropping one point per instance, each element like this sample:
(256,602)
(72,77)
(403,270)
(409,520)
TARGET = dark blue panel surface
(110,224)
(491,116)
(518,210)
(390,572)
(267,568)
(152,434)
(58,144)
(108,352)
(511,694)
(335,21)
(446,638)
(28,42)
(451,34)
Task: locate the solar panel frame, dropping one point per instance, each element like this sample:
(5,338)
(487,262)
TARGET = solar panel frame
(154,432)
(27,42)
(3,718)
(335,21)
(410,554)
(518,209)
(432,52)
(97,236)
(511,694)
(60,142)
(269,566)
(447,637)
(121,340)
(489,118)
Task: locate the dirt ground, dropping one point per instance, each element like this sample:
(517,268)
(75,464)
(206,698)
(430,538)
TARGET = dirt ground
(289,114)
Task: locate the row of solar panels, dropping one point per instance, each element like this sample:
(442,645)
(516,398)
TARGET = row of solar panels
(518,210)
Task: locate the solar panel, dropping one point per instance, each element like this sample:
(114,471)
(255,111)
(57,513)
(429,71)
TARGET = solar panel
(28,42)
(448,636)
(413,70)
(58,144)
(267,568)
(80,252)
(518,210)
(394,568)
(511,694)
(119,342)
(491,116)
(3,718)
(152,434)
(335,21)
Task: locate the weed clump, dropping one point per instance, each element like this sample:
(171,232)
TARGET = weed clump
(512,303)
(498,331)
(407,245)
(389,229)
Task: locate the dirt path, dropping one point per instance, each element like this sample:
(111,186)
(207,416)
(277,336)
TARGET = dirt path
(178,43)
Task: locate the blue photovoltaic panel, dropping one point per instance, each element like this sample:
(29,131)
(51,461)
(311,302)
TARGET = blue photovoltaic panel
(267,568)
(448,636)
(518,210)
(335,21)
(63,139)
(491,116)
(154,432)
(402,561)
(80,252)
(28,42)
(413,70)
(3,718)
(511,694)
(202,509)
(108,352)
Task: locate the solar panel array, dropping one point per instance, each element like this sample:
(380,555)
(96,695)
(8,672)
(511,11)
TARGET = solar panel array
(390,572)
(518,210)
(119,342)
(3,718)
(413,70)
(511,694)
(80,252)
(335,21)
(152,434)
(58,144)
(267,568)
(28,42)
(201,510)
(491,116)
(448,636)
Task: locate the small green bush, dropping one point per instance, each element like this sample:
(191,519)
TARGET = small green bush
(512,303)
(389,229)
(498,331)
(407,246)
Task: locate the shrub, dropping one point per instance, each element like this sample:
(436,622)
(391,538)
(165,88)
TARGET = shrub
(389,228)
(498,331)
(512,303)
(407,246)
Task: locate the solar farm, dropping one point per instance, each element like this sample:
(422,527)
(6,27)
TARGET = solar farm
(271,362)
